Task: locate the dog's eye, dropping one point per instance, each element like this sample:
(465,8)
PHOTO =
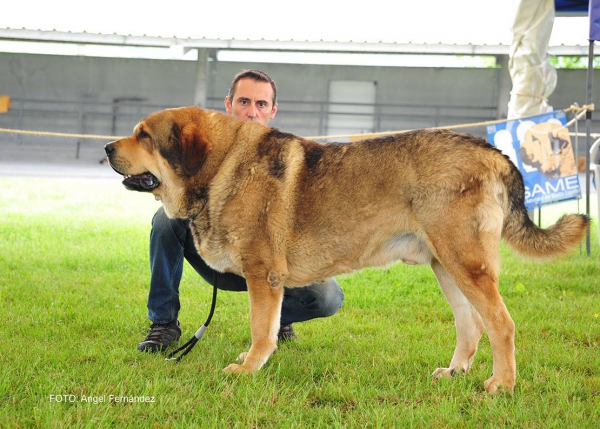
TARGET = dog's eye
(143,135)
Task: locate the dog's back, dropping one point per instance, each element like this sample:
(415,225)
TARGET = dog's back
(373,202)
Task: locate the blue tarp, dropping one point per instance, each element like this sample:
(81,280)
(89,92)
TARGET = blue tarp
(571,7)
(540,146)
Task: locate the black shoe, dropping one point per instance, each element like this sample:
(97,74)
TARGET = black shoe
(160,337)
(286,333)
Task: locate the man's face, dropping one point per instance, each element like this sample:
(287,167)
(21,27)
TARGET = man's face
(252,101)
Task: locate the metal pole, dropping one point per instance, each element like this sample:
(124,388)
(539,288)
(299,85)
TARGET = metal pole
(588,137)
(79,128)
(21,108)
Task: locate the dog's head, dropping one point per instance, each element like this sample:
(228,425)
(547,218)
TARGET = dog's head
(164,149)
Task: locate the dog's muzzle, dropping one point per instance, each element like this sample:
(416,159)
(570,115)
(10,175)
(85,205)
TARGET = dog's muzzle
(144,182)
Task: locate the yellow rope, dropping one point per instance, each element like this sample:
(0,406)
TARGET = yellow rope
(385,133)
(576,108)
(573,108)
(52,134)
(580,111)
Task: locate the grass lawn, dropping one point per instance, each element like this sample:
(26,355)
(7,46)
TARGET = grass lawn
(73,285)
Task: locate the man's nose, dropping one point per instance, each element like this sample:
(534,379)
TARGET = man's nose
(252,111)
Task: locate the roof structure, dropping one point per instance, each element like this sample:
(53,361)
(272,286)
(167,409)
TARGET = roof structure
(466,27)
(398,47)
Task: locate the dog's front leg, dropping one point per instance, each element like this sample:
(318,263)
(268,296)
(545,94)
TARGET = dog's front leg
(265,290)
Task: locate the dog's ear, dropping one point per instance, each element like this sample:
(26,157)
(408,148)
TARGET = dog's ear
(190,148)
(195,147)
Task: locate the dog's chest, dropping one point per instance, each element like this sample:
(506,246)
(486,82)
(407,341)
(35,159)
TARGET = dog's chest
(220,261)
(214,249)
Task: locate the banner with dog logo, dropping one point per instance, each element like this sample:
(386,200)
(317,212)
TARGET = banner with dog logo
(540,146)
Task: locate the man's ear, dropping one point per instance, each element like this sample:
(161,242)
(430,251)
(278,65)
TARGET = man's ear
(228,104)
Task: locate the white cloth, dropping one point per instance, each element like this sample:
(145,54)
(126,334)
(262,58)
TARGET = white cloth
(533,78)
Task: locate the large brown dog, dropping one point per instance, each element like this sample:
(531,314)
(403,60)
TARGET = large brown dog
(282,210)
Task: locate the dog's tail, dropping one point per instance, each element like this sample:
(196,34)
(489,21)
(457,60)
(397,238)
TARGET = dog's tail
(525,237)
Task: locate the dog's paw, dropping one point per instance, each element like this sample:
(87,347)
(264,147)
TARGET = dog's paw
(235,368)
(238,367)
(495,385)
(444,373)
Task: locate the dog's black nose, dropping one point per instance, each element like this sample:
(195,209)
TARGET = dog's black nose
(109,149)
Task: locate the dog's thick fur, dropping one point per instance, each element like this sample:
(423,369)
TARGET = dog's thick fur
(282,210)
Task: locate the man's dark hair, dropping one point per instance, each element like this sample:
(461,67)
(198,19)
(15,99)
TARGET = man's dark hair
(255,75)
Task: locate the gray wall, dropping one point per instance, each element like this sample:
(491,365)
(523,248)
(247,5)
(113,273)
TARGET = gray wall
(482,93)
(99,79)
(172,82)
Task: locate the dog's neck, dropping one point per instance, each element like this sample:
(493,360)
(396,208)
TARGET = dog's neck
(224,140)
(188,195)
(194,201)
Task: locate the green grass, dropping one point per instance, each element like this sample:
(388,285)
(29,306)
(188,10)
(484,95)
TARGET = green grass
(73,285)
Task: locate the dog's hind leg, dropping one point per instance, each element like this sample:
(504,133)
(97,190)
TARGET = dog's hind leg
(265,290)
(467,248)
(469,326)
(477,279)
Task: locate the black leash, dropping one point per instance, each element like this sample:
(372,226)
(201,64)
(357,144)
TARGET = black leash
(189,345)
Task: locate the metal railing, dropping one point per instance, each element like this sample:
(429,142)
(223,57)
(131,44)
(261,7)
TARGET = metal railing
(74,116)
(311,118)
(307,118)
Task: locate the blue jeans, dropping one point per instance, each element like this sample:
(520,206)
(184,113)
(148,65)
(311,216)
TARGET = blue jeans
(171,241)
